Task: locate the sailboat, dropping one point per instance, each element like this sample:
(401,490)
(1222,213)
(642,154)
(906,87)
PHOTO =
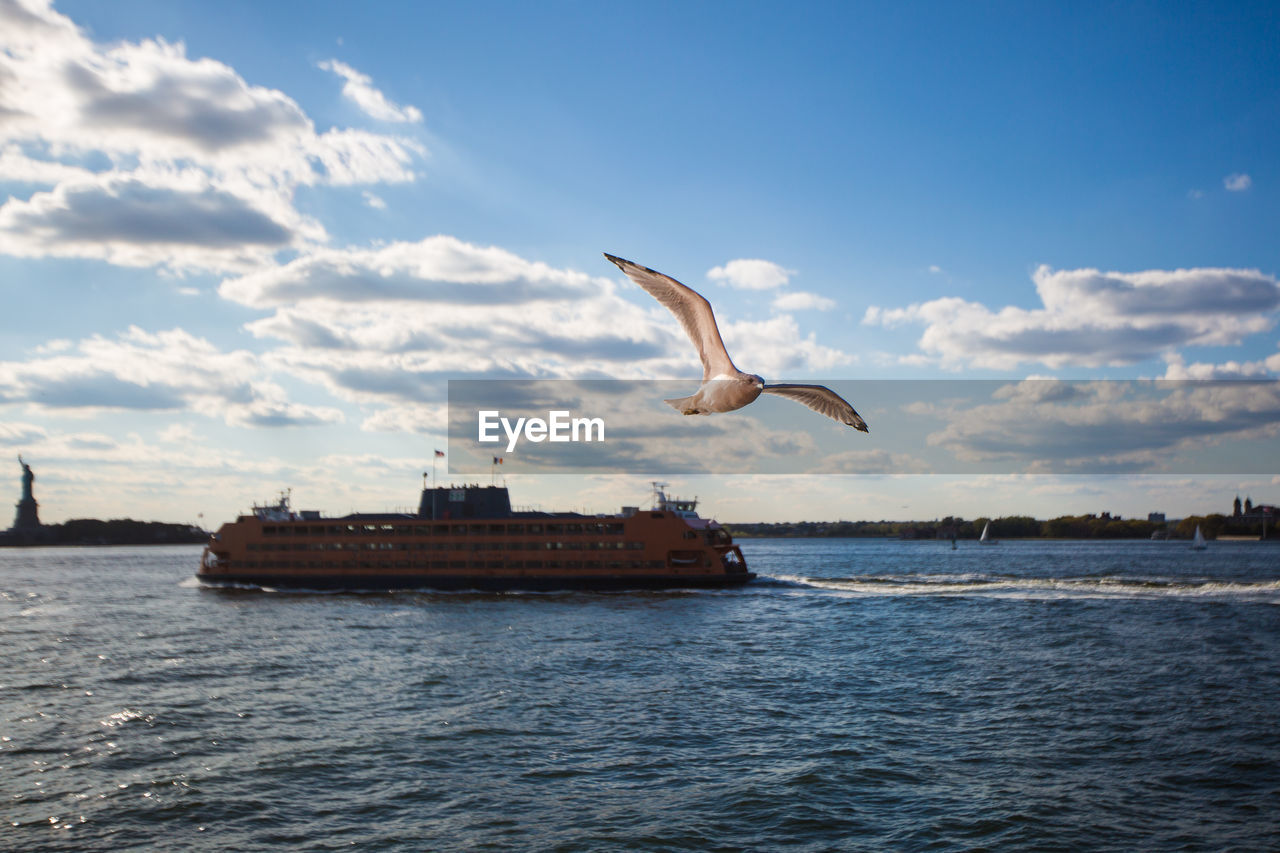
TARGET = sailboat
(986,539)
(1198,543)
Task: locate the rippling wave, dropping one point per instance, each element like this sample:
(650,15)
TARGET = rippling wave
(861,695)
(1046,588)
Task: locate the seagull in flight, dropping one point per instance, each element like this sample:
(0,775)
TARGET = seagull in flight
(725,387)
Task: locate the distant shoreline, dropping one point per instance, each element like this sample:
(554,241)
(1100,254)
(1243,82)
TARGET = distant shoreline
(1104,527)
(90,532)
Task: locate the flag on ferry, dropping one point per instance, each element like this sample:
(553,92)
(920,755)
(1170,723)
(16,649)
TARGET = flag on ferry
(497,460)
(439,453)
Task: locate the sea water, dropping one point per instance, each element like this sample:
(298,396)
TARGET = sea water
(861,695)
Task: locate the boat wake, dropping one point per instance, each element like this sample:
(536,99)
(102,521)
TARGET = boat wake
(1006,586)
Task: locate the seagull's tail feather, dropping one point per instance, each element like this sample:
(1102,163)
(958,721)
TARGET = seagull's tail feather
(685,405)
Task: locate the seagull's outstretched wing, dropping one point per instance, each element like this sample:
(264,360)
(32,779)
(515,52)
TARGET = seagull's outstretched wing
(821,399)
(693,312)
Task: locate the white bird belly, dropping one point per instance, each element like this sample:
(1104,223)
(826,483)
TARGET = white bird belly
(724,394)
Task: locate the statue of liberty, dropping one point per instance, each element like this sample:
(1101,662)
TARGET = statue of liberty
(27,479)
(28,518)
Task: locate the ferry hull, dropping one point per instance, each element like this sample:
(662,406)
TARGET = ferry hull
(462,583)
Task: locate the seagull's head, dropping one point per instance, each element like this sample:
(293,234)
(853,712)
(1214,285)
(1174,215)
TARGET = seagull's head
(756,381)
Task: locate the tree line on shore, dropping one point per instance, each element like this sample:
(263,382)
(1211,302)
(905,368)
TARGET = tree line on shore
(1103,526)
(116,531)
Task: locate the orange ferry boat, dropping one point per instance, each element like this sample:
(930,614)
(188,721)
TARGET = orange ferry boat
(469,538)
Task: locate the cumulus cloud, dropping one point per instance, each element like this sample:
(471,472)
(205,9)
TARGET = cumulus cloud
(438,269)
(16,434)
(800,300)
(876,461)
(359,89)
(169,220)
(165,371)
(1107,425)
(751,274)
(1093,318)
(1177,368)
(1237,182)
(162,158)
(387,326)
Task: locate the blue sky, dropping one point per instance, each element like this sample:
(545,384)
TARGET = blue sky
(244,245)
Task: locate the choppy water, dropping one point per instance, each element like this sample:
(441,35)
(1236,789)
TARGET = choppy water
(865,695)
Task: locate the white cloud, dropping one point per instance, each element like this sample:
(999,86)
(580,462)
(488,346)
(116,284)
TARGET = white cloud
(751,274)
(1237,182)
(15,434)
(164,371)
(776,349)
(160,158)
(1177,368)
(374,201)
(359,89)
(802,301)
(179,220)
(1092,426)
(386,326)
(1092,318)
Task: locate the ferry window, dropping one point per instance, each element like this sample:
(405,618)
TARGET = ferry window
(515,564)
(593,564)
(573,546)
(573,528)
(440,530)
(614,528)
(457,564)
(497,529)
(369,529)
(386,528)
(535,528)
(689,534)
(494,564)
(655,515)
(555,528)
(459,530)
(635,546)
(515,529)
(268,531)
(573,564)
(533,564)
